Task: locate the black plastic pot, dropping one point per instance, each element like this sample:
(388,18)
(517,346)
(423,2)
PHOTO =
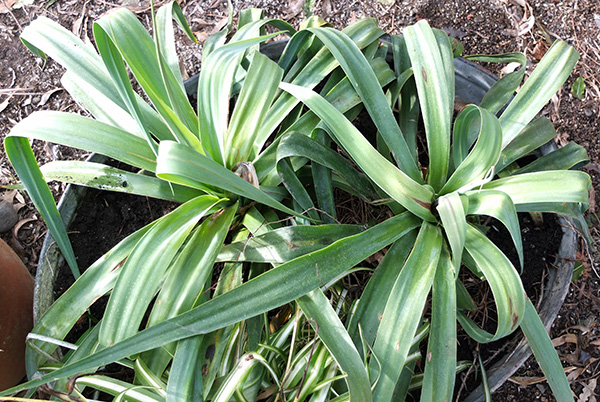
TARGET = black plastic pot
(472,83)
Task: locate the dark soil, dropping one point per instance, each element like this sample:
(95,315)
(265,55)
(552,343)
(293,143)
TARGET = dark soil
(102,221)
(496,26)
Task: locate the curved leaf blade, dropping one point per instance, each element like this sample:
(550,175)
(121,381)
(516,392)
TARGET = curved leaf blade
(364,81)
(65,128)
(181,164)
(500,206)
(504,282)
(284,244)
(440,366)
(410,194)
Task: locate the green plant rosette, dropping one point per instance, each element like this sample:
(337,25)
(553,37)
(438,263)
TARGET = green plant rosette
(240,173)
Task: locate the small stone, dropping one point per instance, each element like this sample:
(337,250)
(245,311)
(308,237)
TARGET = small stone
(8,216)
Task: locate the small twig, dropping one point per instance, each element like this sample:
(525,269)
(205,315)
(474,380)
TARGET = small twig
(12,15)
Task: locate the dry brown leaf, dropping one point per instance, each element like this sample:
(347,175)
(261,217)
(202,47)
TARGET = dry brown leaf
(6,5)
(540,49)
(47,96)
(78,22)
(592,201)
(294,8)
(525,381)
(588,391)
(327,8)
(566,338)
(574,375)
(20,224)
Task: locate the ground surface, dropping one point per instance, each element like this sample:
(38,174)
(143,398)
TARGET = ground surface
(494,26)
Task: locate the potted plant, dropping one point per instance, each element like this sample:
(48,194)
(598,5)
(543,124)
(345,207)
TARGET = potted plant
(16,320)
(433,230)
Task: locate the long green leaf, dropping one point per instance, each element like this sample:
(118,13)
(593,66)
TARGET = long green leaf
(365,83)
(259,89)
(284,244)
(117,387)
(95,282)
(138,49)
(432,61)
(114,64)
(66,129)
(335,338)
(274,288)
(403,311)
(214,90)
(296,144)
(545,354)
(23,160)
(410,194)
(549,75)
(312,71)
(106,177)
(143,270)
(183,165)
(503,90)
(165,39)
(185,383)
(84,66)
(567,157)
(375,296)
(485,153)
(188,276)
(552,187)
(453,217)
(533,136)
(440,366)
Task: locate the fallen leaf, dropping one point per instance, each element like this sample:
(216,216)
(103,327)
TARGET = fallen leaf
(540,49)
(294,8)
(20,224)
(525,381)
(6,5)
(47,96)
(326,8)
(566,338)
(22,3)
(574,375)
(588,391)
(4,104)
(509,68)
